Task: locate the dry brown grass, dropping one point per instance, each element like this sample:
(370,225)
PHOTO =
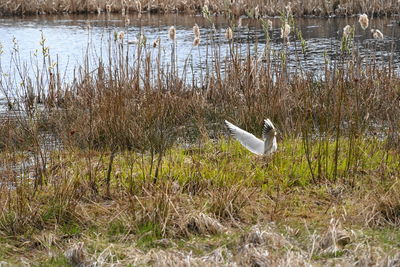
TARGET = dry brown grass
(158,226)
(235,8)
(382,206)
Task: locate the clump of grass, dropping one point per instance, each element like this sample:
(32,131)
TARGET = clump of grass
(204,224)
(383,206)
(335,238)
(76,255)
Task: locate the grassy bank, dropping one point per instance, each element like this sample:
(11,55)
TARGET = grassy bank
(213,204)
(236,8)
(129,163)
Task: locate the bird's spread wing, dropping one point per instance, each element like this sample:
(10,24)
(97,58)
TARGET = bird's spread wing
(269,136)
(268,130)
(248,140)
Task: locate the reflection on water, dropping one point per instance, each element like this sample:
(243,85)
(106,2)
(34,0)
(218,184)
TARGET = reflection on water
(67,36)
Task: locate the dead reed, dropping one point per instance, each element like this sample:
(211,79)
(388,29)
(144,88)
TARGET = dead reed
(254,8)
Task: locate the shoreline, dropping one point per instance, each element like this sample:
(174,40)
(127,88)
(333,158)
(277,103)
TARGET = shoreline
(249,8)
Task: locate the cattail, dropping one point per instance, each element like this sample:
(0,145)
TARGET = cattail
(138,6)
(196,41)
(347,30)
(127,22)
(156,42)
(269,24)
(239,24)
(256,12)
(229,34)
(108,8)
(196,31)
(172,33)
(121,36)
(285,31)
(288,9)
(142,39)
(364,21)
(377,34)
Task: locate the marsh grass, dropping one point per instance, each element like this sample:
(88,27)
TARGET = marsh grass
(141,159)
(252,8)
(217,194)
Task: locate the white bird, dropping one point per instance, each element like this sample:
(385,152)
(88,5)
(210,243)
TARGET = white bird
(254,144)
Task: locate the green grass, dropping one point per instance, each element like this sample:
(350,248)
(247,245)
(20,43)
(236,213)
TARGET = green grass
(147,234)
(60,261)
(220,179)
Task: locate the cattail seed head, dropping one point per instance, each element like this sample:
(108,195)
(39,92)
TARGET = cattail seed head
(285,31)
(269,24)
(239,23)
(377,34)
(127,21)
(172,33)
(121,36)
(347,30)
(108,8)
(256,12)
(288,9)
(229,34)
(196,31)
(196,41)
(156,42)
(364,21)
(138,6)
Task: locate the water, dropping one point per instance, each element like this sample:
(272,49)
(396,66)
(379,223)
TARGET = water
(67,37)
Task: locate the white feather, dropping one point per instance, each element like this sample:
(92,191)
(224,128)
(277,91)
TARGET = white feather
(254,144)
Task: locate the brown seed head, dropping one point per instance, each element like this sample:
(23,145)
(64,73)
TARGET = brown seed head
(229,34)
(364,21)
(196,41)
(196,31)
(347,30)
(108,8)
(127,21)
(172,33)
(285,31)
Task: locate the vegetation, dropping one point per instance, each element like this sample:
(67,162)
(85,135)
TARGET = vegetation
(214,204)
(128,164)
(237,7)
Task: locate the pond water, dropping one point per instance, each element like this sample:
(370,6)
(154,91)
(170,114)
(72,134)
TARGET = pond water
(67,37)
